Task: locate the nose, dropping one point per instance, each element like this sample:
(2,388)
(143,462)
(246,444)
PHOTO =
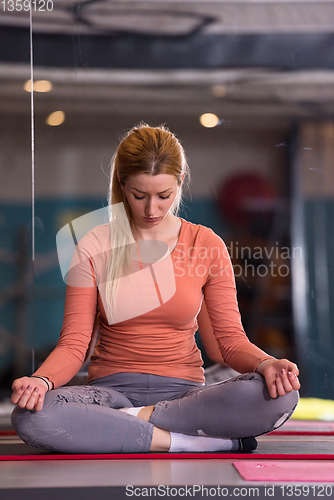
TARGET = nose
(151,208)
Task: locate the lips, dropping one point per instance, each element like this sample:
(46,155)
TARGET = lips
(151,218)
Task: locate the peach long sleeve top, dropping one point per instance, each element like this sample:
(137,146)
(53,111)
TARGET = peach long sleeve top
(159,340)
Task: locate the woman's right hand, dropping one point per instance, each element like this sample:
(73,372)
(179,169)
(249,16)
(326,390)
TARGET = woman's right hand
(29,392)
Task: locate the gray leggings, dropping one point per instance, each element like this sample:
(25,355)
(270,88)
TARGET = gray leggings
(85,419)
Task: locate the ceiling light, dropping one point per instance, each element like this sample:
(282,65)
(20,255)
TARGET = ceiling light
(219,90)
(209,120)
(56,118)
(39,86)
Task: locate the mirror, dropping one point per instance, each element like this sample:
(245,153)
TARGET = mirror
(261,176)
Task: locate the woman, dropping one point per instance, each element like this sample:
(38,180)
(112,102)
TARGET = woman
(151,278)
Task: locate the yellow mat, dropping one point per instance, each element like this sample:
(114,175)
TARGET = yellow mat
(314,409)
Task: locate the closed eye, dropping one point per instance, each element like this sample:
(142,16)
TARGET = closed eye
(162,197)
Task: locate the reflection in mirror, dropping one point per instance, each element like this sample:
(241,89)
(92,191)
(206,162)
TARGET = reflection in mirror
(260,162)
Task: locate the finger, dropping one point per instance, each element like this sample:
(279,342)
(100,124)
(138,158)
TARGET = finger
(16,385)
(294,380)
(286,382)
(279,384)
(40,401)
(32,401)
(25,396)
(293,371)
(293,368)
(17,394)
(272,388)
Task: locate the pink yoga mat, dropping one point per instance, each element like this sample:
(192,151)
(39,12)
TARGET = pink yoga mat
(286,471)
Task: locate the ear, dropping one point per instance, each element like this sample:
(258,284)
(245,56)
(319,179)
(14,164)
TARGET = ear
(181,181)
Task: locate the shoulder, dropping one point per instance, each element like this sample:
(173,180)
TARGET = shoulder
(193,228)
(95,240)
(201,233)
(100,232)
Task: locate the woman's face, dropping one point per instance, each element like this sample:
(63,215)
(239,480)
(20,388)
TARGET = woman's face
(150,197)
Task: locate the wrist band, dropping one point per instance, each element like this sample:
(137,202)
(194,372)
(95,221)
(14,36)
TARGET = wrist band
(46,380)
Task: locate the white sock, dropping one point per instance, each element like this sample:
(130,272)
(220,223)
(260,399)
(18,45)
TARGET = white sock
(133,410)
(183,442)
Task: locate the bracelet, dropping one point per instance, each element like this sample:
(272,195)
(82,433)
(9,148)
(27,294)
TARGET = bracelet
(46,380)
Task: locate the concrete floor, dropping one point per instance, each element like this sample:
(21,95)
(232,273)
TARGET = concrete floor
(122,479)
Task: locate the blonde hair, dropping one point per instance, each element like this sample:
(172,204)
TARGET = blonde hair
(144,149)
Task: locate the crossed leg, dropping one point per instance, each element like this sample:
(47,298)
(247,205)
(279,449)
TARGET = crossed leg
(85,419)
(236,408)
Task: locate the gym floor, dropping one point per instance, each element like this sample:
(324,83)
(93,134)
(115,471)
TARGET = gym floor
(120,479)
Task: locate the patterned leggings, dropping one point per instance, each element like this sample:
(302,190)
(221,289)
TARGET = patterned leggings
(85,419)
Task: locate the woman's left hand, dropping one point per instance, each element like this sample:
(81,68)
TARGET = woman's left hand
(281,376)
